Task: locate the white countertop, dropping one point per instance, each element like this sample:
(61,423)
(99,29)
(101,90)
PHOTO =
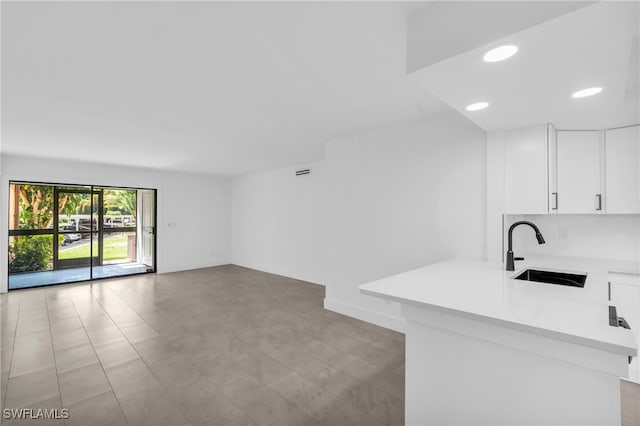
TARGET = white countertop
(487,292)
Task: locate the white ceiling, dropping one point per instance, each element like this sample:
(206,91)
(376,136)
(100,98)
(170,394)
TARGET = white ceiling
(221,88)
(442,29)
(593,46)
(232,88)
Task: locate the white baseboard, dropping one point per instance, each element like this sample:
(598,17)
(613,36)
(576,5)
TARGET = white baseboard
(383,320)
(275,271)
(355,311)
(191,266)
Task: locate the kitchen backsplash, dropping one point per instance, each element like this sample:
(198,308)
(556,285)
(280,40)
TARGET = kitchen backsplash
(614,237)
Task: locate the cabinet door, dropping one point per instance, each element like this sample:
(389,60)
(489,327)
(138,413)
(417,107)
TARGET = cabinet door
(552,136)
(625,296)
(526,170)
(622,165)
(578,172)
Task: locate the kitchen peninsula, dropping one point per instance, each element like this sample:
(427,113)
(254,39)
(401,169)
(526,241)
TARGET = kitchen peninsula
(485,348)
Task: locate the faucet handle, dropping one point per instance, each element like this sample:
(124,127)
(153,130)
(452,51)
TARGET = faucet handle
(518,258)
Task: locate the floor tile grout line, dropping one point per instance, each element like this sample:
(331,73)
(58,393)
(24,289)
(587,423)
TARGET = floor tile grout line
(266,384)
(357,337)
(121,293)
(13,345)
(142,359)
(164,387)
(304,409)
(55,363)
(231,401)
(295,403)
(370,383)
(102,368)
(227,396)
(255,378)
(346,373)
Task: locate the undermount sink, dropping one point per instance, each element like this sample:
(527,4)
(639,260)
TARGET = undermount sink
(550,277)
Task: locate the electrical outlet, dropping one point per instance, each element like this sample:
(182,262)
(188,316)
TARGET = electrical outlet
(563,233)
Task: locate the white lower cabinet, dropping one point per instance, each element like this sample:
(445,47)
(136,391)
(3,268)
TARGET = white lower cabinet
(625,296)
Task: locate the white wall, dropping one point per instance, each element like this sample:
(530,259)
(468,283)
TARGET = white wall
(381,203)
(613,237)
(199,205)
(401,198)
(276,222)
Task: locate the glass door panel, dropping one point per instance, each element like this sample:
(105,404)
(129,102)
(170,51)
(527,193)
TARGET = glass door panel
(30,260)
(73,253)
(30,244)
(119,247)
(120,233)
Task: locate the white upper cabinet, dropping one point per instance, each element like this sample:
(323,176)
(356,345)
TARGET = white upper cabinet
(526,174)
(577,188)
(571,171)
(622,165)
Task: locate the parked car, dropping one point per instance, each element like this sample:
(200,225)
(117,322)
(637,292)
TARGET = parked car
(70,238)
(84,226)
(112,222)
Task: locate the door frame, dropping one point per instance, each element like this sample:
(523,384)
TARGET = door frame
(154,227)
(7,181)
(88,190)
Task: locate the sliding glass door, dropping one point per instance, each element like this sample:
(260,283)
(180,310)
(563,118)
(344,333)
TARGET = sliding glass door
(68,233)
(74,226)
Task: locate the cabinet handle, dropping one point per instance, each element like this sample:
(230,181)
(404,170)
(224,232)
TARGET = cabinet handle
(609,290)
(555,198)
(599,199)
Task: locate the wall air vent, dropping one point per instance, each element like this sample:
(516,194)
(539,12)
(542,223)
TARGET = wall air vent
(303,172)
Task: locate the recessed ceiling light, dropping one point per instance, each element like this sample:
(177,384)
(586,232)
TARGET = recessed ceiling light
(477,106)
(500,53)
(587,92)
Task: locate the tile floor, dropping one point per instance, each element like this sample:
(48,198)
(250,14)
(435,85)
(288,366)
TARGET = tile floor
(60,276)
(630,396)
(215,346)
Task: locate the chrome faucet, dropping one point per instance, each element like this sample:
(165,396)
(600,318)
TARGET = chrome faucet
(510,258)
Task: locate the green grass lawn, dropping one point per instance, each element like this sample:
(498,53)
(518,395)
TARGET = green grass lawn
(115,248)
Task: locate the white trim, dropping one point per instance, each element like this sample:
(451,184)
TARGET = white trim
(4,233)
(193,266)
(383,320)
(275,271)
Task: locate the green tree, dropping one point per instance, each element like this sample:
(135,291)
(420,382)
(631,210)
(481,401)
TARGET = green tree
(120,199)
(36,206)
(71,203)
(83,206)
